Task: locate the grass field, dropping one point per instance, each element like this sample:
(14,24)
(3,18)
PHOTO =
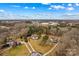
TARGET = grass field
(39,48)
(17,51)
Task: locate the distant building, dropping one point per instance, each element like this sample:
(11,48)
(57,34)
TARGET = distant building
(13,43)
(54,23)
(49,23)
(44,24)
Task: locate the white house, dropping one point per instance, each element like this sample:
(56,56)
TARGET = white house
(34,36)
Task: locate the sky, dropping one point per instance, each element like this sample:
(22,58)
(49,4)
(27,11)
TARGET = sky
(39,11)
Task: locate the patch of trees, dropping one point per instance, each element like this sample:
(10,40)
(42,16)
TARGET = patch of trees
(75,26)
(34,29)
(3,30)
(44,40)
(7,24)
(3,37)
(63,24)
(69,44)
(55,31)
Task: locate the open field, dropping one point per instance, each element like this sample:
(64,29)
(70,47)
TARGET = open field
(38,47)
(17,51)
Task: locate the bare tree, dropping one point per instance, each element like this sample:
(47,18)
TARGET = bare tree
(69,44)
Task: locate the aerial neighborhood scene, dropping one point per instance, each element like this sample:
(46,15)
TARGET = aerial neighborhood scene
(39,29)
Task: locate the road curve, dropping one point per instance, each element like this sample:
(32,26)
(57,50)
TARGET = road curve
(52,49)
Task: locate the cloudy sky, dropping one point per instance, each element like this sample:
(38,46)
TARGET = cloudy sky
(39,10)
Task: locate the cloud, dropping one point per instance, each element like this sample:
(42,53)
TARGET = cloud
(77,4)
(69,4)
(8,16)
(57,7)
(2,10)
(26,7)
(49,8)
(16,6)
(71,16)
(63,4)
(46,3)
(43,15)
(33,7)
(70,8)
(68,14)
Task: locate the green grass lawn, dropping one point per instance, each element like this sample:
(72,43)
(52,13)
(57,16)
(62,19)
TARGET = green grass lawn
(17,51)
